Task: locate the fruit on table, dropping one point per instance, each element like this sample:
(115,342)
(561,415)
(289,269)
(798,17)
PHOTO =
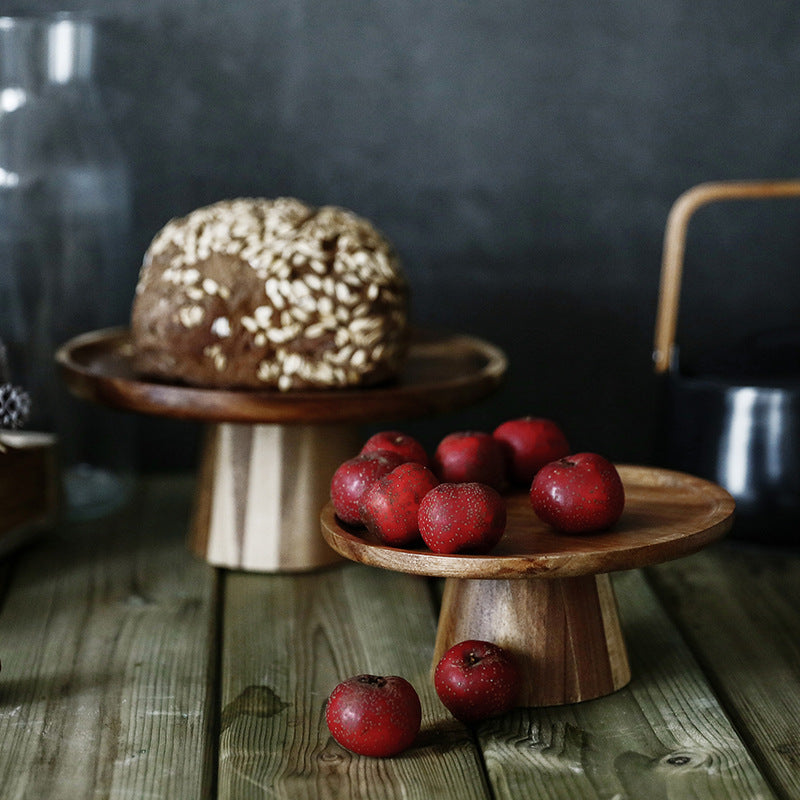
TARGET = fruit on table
(471,456)
(581,493)
(476,679)
(529,444)
(354,476)
(398,442)
(390,506)
(374,715)
(462,518)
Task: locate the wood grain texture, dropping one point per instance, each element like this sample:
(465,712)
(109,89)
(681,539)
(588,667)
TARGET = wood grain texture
(108,645)
(667,515)
(738,609)
(260,491)
(662,737)
(444,372)
(106,637)
(287,642)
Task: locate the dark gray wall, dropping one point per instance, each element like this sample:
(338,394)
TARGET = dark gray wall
(522,155)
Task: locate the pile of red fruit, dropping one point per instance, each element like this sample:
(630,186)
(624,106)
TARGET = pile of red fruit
(455,501)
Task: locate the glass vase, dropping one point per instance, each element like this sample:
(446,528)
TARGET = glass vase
(65,211)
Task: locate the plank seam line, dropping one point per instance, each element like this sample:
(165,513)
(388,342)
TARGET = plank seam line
(215,683)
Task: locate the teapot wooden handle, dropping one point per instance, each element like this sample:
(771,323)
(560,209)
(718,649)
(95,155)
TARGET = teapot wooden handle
(675,246)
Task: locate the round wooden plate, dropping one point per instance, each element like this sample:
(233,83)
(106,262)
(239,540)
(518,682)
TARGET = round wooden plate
(444,372)
(667,515)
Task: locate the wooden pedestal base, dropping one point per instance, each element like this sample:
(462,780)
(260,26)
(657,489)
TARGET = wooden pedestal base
(564,632)
(260,491)
(547,597)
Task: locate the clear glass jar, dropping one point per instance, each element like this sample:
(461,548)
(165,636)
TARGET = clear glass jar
(65,211)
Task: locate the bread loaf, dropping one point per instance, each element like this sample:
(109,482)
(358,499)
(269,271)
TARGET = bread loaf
(257,293)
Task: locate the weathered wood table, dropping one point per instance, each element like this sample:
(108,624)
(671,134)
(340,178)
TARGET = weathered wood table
(133,669)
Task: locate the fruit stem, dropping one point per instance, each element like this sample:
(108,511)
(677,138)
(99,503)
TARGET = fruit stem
(372,680)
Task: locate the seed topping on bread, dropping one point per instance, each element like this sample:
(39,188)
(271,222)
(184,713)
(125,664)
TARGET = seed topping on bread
(256,292)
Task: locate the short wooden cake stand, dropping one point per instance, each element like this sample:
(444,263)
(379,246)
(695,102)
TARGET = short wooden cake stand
(268,457)
(548,597)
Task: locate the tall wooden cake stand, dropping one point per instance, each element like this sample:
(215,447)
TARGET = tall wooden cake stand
(269,456)
(547,597)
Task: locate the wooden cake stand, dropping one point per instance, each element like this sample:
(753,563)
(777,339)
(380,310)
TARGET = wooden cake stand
(547,597)
(269,456)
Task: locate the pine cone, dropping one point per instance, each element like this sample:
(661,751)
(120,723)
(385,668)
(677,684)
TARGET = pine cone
(15,406)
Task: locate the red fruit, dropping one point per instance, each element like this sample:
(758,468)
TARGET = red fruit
(397,442)
(530,443)
(476,680)
(353,477)
(462,518)
(471,456)
(374,715)
(389,507)
(581,493)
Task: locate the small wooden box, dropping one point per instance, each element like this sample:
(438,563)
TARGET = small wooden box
(29,494)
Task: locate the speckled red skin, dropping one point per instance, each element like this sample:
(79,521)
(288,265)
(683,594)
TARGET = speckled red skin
(471,456)
(476,680)
(390,506)
(373,715)
(462,518)
(354,476)
(530,443)
(581,493)
(398,442)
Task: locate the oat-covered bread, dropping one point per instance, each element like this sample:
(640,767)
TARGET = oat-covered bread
(256,293)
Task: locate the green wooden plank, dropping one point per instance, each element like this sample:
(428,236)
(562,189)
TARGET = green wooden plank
(105,635)
(663,737)
(288,640)
(738,607)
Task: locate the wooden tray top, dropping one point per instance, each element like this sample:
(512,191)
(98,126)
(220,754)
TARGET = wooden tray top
(444,371)
(667,515)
